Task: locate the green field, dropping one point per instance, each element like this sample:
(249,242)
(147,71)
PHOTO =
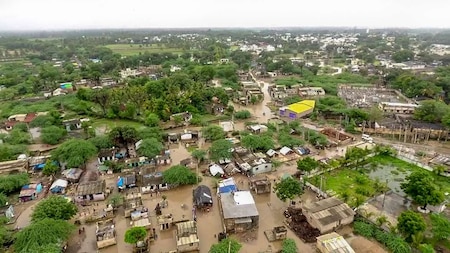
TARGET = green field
(110,123)
(348,184)
(129,49)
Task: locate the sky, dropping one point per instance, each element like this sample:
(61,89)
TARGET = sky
(98,14)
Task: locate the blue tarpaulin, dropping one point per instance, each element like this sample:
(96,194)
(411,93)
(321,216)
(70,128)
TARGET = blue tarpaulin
(227,188)
(120,182)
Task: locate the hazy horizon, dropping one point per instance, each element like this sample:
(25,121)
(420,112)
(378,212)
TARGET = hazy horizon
(58,15)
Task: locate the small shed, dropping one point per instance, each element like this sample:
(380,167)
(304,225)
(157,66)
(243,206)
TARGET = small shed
(286,151)
(73,175)
(30,192)
(260,184)
(202,197)
(333,242)
(271,153)
(215,169)
(59,186)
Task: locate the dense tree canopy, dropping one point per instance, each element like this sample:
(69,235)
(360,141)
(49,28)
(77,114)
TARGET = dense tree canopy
(288,188)
(257,142)
(52,134)
(307,164)
(220,149)
(410,223)
(227,245)
(150,147)
(74,152)
(135,234)
(179,175)
(213,133)
(54,207)
(41,234)
(419,185)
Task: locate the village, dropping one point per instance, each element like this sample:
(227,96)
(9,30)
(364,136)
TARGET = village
(245,142)
(234,196)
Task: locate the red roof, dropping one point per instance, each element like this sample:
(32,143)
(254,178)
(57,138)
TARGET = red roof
(30,117)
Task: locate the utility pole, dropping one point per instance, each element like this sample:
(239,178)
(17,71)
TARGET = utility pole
(384,197)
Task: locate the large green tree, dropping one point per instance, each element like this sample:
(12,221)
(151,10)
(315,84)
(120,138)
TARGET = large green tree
(150,148)
(307,164)
(420,186)
(257,142)
(54,207)
(227,245)
(50,168)
(75,152)
(220,149)
(101,142)
(42,233)
(135,234)
(52,134)
(288,188)
(123,135)
(213,133)
(411,223)
(179,175)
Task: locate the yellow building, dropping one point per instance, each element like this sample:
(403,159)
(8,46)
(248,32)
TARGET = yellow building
(298,110)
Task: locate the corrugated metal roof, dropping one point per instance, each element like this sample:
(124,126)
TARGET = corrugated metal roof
(187,227)
(187,240)
(334,243)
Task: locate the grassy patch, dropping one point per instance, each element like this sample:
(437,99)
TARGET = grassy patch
(111,123)
(346,182)
(402,166)
(134,49)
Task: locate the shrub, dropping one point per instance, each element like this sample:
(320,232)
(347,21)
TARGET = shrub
(244,114)
(363,191)
(363,229)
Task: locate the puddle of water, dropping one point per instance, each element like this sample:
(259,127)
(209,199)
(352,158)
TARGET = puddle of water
(394,180)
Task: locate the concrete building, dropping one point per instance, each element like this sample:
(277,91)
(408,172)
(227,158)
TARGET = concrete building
(333,243)
(239,212)
(328,214)
(187,237)
(311,92)
(403,108)
(297,110)
(251,163)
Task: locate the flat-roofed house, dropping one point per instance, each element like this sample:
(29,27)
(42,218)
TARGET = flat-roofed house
(239,212)
(297,110)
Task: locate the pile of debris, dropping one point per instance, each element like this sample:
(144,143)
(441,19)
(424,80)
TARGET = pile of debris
(300,226)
